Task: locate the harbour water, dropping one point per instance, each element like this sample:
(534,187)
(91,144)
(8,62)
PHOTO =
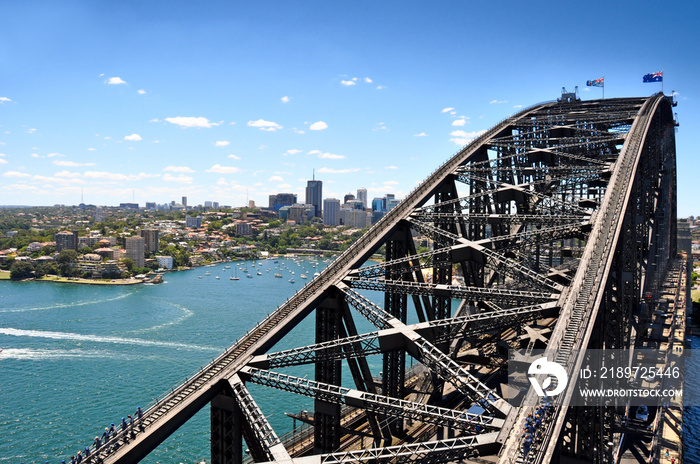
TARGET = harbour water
(77,357)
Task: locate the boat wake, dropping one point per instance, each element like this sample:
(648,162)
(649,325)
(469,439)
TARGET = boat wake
(66,305)
(101,339)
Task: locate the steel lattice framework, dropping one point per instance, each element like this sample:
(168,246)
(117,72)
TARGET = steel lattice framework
(543,232)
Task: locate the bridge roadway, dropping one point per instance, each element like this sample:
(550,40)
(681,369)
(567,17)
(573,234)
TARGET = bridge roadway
(169,413)
(579,299)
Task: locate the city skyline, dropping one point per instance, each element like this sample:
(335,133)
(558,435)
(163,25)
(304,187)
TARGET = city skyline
(133,102)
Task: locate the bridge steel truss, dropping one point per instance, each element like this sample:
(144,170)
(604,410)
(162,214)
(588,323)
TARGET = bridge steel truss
(544,232)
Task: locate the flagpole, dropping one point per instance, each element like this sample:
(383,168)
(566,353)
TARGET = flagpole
(603,87)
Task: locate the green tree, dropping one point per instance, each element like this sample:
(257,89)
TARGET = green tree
(129,263)
(67,257)
(21,270)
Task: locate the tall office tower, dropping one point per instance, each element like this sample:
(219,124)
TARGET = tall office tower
(135,247)
(184,202)
(331,211)
(362,196)
(348,197)
(151,236)
(314,195)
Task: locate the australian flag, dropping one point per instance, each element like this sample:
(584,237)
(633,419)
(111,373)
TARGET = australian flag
(654,77)
(596,82)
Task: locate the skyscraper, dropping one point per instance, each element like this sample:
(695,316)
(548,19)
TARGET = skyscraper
(331,211)
(362,196)
(184,202)
(314,195)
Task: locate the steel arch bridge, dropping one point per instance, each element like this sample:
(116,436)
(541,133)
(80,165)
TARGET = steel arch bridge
(544,232)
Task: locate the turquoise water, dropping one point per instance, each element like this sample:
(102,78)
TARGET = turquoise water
(77,357)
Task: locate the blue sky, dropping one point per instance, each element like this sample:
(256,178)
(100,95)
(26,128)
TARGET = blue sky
(228,100)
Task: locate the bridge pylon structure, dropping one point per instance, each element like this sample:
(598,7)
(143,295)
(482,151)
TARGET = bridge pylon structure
(544,232)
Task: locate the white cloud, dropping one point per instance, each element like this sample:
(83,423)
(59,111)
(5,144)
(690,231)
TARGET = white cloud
(53,155)
(348,83)
(182,179)
(133,137)
(265,125)
(368,80)
(497,102)
(67,174)
(191,121)
(463,138)
(35,155)
(4,100)
(292,151)
(319,125)
(276,179)
(447,110)
(330,156)
(3,161)
(116,80)
(459,122)
(232,156)
(177,169)
(390,182)
(141,92)
(92,149)
(390,167)
(154,120)
(224,169)
(71,163)
(31,131)
(2,155)
(518,106)
(222,143)
(285,99)
(16,174)
(380,87)
(116,177)
(422,134)
(325,170)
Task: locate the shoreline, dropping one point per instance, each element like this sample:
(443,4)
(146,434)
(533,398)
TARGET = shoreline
(5,275)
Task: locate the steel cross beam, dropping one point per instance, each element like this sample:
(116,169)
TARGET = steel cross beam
(392,339)
(499,295)
(265,434)
(431,452)
(373,402)
(441,364)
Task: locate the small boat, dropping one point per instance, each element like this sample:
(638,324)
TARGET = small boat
(316,274)
(200,277)
(278,275)
(303,276)
(250,276)
(216,277)
(291,281)
(233,278)
(207,273)
(259,273)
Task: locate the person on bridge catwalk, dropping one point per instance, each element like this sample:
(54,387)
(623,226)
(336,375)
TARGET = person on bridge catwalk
(111,430)
(132,432)
(97,443)
(105,435)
